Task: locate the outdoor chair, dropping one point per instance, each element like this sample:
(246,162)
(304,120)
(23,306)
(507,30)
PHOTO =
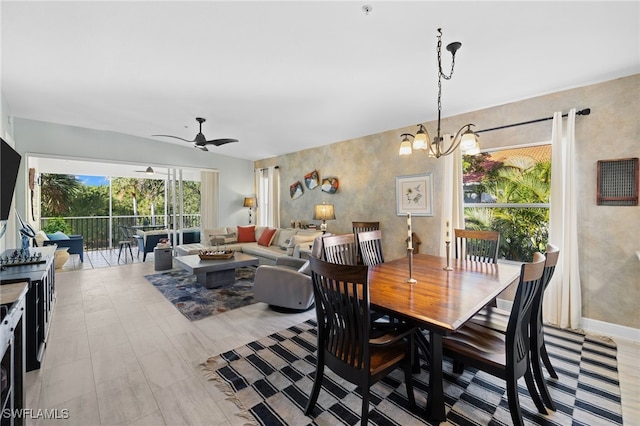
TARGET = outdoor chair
(125,243)
(347,345)
(504,355)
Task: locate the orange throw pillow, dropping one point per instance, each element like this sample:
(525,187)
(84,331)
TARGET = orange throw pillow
(266,237)
(246,234)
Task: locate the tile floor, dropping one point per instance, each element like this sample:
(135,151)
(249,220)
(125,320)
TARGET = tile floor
(121,354)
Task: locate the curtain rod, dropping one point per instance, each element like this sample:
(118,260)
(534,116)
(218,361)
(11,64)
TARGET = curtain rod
(585,111)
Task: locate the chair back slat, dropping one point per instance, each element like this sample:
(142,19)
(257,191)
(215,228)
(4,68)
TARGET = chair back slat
(340,249)
(359,227)
(371,247)
(342,307)
(480,246)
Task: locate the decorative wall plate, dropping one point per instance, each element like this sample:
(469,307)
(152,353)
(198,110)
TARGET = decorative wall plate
(295,190)
(311,180)
(330,185)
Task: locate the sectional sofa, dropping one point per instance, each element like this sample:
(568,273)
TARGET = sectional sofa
(147,240)
(267,244)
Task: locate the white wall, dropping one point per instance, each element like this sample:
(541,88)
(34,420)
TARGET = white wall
(10,238)
(38,137)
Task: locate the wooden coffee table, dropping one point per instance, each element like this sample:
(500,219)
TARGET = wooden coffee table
(215,273)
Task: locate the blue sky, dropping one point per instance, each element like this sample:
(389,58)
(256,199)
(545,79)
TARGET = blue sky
(93,180)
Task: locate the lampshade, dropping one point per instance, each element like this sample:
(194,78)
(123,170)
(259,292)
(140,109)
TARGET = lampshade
(324,212)
(249,202)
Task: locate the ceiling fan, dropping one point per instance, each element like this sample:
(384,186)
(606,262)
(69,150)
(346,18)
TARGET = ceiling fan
(200,141)
(150,171)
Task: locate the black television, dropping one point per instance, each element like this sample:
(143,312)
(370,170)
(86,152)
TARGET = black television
(9,165)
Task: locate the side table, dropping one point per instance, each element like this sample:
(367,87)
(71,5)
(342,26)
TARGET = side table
(162,259)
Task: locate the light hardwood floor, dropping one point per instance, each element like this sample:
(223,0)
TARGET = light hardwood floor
(121,354)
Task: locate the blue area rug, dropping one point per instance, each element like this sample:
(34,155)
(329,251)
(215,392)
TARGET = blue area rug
(195,301)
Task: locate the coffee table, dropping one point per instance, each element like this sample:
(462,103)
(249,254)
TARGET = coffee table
(215,273)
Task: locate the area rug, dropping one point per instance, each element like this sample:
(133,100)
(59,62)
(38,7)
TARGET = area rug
(195,301)
(270,381)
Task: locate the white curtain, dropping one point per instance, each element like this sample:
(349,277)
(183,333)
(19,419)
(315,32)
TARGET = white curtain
(452,207)
(208,200)
(563,301)
(267,182)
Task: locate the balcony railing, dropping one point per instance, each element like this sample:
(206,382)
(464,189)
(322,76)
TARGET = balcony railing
(102,232)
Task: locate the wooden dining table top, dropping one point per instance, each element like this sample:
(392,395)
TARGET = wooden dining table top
(441,301)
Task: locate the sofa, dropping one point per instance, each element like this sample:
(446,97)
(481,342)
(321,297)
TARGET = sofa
(147,240)
(74,243)
(276,243)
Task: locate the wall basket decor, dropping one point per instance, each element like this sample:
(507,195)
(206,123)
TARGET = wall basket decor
(295,190)
(312,180)
(330,185)
(618,182)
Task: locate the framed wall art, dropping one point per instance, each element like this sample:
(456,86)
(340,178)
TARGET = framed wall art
(312,180)
(295,190)
(414,194)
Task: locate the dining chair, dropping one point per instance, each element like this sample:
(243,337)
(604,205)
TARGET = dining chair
(504,355)
(497,319)
(480,246)
(359,227)
(125,243)
(370,245)
(347,344)
(340,249)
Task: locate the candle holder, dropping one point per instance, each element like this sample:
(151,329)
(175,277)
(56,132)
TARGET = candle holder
(448,267)
(410,280)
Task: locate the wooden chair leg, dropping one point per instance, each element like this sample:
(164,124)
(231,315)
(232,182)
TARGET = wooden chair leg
(540,382)
(364,416)
(547,362)
(514,401)
(533,392)
(317,385)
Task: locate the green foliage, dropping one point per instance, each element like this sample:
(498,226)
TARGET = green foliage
(523,231)
(57,191)
(56,224)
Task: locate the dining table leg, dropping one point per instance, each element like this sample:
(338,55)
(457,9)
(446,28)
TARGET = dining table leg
(435,402)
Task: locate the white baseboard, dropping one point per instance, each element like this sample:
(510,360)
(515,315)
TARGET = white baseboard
(595,326)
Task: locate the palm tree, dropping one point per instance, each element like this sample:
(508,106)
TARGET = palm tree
(57,191)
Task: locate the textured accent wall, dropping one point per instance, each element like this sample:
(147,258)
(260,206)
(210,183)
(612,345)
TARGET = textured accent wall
(609,236)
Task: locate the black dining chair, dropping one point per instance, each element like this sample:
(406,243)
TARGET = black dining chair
(347,344)
(359,227)
(497,319)
(504,355)
(340,249)
(370,245)
(481,246)
(125,243)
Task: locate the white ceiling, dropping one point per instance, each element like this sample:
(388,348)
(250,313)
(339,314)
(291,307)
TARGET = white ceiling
(283,76)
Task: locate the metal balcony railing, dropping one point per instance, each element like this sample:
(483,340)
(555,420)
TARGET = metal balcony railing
(102,232)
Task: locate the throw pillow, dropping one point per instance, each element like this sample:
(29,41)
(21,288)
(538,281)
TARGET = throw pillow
(40,238)
(284,237)
(57,236)
(246,234)
(298,239)
(266,237)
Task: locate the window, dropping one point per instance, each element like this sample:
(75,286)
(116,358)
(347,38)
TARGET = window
(507,190)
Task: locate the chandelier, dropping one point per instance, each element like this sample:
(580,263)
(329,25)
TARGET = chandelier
(465,138)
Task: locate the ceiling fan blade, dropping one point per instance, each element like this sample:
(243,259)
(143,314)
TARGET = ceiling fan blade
(218,142)
(175,137)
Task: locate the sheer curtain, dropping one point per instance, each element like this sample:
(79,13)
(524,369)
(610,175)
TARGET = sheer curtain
(452,207)
(268,195)
(208,200)
(563,301)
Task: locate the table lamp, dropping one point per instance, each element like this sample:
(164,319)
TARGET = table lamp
(249,202)
(324,212)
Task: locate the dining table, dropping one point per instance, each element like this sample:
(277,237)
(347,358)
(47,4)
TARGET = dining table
(440,301)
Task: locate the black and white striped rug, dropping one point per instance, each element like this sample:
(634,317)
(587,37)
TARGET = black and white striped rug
(270,380)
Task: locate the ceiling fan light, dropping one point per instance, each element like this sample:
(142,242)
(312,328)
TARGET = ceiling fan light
(149,170)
